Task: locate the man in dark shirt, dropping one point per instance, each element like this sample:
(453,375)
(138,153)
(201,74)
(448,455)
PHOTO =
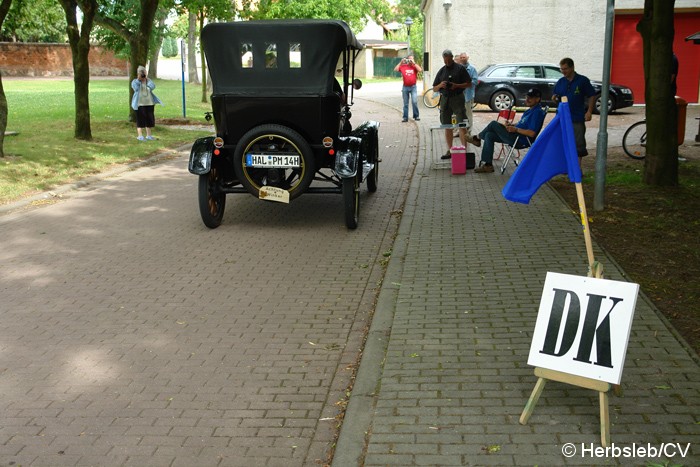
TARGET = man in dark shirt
(451,81)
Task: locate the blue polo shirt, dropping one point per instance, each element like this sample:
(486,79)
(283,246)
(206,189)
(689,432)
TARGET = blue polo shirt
(474,75)
(532,119)
(578,90)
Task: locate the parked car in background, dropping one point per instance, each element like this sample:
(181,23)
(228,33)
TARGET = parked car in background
(504,85)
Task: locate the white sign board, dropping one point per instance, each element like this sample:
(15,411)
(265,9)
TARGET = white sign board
(583,326)
(271,193)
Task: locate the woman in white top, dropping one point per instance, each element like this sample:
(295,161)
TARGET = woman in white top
(143,103)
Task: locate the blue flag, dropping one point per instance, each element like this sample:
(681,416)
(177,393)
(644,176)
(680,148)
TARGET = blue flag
(552,153)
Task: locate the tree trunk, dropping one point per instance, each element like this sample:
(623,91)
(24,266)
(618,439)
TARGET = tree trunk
(80,49)
(203,58)
(138,43)
(4,8)
(155,53)
(656,28)
(138,40)
(3,116)
(193,76)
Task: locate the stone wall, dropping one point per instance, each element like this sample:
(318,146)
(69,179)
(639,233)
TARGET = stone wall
(38,59)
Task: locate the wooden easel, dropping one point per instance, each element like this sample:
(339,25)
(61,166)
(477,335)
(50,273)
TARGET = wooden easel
(595,269)
(602,387)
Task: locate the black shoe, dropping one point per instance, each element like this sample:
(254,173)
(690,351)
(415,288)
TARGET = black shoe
(417,119)
(446,156)
(404,120)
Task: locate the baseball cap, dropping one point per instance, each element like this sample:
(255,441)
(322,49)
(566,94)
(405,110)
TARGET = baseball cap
(534,92)
(447,52)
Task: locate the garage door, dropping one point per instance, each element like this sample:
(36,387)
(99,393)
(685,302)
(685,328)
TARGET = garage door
(627,55)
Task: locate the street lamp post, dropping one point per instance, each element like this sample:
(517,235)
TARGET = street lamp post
(408,24)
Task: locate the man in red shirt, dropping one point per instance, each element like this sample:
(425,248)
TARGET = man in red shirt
(409,70)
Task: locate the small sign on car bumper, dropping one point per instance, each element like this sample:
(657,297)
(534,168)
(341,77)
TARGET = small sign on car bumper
(272,161)
(271,193)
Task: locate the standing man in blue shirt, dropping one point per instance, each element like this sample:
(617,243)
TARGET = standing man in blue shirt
(579,90)
(469,90)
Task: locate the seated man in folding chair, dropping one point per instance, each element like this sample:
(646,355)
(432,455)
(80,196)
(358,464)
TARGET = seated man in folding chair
(495,132)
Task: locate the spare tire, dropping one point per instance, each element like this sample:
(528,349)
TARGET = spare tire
(274,155)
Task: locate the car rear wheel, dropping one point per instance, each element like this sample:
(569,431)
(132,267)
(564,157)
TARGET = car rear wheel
(502,100)
(351,200)
(212,201)
(294,173)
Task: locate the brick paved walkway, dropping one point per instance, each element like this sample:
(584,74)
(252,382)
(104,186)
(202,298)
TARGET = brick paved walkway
(444,377)
(133,335)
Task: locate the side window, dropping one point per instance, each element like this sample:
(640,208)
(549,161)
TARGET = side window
(270,55)
(552,73)
(294,55)
(503,72)
(246,55)
(526,72)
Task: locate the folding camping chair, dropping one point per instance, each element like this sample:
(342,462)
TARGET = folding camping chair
(522,142)
(506,116)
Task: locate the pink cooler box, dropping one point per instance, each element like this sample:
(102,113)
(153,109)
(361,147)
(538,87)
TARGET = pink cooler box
(459,160)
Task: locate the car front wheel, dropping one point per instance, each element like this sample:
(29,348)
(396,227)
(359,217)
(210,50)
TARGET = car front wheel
(212,201)
(502,100)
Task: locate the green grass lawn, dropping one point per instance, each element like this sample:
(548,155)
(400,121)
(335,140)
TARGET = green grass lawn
(45,154)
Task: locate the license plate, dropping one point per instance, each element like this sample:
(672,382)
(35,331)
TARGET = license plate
(272,161)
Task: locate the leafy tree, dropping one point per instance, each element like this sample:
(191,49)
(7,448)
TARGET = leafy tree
(410,9)
(133,21)
(34,21)
(351,11)
(203,10)
(79,40)
(169,47)
(185,27)
(4,8)
(656,28)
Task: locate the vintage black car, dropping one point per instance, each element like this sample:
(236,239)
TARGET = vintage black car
(282,92)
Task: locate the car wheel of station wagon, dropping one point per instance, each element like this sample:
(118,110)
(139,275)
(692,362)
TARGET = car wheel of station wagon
(373,177)
(599,102)
(502,100)
(351,201)
(211,202)
(274,155)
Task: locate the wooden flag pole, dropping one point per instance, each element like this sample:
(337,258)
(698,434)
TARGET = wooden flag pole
(595,269)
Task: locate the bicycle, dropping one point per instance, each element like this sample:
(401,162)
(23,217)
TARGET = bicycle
(431,99)
(634,141)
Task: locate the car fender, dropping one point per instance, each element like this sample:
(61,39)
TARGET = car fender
(347,157)
(367,131)
(200,155)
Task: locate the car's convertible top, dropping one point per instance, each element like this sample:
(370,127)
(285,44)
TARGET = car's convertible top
(276,57)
